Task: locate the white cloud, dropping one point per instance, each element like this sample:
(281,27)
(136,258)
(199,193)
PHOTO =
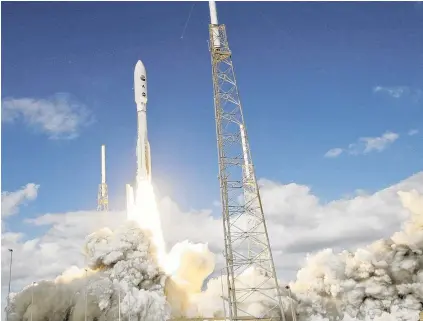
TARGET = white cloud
(413,132)
(298,223)
(365,145)
(10,201)
(378,143)
(334,152)
(397,92)
(59,117)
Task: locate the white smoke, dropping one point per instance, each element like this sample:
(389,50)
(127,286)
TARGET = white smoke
(189,265)
(121,264)
(258,304)
(383,281)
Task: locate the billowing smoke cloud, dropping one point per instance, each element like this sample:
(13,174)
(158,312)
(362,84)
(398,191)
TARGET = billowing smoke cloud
(121,264)
(383,281)
(258,304)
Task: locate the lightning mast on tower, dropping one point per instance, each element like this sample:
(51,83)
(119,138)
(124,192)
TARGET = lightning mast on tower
(246,239)
(103,198)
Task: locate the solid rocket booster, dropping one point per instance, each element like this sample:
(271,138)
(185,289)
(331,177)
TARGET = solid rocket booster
(143,146)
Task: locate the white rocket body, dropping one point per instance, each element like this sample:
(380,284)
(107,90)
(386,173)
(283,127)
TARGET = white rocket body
(143,146)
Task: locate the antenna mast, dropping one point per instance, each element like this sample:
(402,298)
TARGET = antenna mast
(246,240)
(103,198)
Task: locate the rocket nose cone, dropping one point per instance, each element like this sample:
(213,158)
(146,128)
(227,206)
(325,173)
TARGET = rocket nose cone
(139,70)
(139,65)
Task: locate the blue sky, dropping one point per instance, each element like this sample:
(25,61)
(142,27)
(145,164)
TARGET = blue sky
(308,74)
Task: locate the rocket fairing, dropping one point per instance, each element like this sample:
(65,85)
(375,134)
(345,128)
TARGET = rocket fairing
(143,146)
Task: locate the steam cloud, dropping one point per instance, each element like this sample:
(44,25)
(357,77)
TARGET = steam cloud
(120,263)
(383,281)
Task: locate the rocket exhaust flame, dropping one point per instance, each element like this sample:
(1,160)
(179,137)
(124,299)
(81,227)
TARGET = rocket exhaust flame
(144,211)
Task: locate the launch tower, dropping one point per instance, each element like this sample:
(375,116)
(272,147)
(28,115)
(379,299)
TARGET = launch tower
(246,239)
(103,198)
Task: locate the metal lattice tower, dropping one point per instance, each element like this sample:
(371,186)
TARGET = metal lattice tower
(103,197)
(246,240)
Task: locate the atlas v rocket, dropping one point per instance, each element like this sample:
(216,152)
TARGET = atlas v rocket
(143,146)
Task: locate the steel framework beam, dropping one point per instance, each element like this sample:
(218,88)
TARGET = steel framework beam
(245,232)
